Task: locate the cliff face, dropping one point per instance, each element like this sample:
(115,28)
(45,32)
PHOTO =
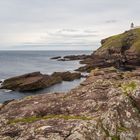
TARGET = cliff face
(125,46)
(106,106)
(121,51)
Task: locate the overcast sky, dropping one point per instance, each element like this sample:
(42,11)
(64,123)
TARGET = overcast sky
(63,24)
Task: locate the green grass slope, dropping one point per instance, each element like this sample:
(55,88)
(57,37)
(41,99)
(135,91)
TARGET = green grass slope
(129,39)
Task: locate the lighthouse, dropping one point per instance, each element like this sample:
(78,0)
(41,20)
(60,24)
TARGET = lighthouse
(132,25)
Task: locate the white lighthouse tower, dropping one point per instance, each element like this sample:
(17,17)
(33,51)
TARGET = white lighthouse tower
(132,25)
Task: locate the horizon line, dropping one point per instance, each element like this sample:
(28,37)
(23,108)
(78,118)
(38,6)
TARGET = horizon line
(42,50)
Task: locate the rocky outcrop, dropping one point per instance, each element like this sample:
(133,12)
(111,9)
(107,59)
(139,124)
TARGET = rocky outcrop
(121,51)
(36,80)
(104,107)
(71,57)
(57,57)
(76,57)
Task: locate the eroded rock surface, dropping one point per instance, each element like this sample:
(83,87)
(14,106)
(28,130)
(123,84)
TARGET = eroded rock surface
(104,107)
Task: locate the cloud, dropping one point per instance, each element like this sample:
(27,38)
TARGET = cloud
(70,37)
(111,21)
(73,33)
(68,30)
(64,21)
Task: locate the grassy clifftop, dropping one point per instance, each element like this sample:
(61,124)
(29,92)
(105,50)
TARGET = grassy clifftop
(129,39)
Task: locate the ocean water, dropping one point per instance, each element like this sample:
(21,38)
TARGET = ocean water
(14,63)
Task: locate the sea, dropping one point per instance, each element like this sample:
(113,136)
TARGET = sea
(15,63)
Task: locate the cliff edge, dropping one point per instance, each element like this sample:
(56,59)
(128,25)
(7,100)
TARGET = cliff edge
(125,45)
(121,51)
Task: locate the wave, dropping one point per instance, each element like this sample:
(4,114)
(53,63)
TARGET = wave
(6,90)
(1,81)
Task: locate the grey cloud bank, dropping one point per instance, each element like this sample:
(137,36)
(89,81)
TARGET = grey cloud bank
(59,22)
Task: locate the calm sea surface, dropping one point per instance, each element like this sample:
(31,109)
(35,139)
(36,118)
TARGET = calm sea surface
(14,63)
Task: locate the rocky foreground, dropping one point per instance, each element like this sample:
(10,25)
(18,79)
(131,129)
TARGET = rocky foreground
(106,106)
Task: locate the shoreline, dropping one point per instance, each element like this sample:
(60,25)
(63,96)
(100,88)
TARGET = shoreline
(59,87)
(70,80)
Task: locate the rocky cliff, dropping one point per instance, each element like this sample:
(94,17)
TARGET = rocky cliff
(121,51)
(125,47)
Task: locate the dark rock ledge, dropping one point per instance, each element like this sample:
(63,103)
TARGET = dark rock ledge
(57,57)
(71,57)
(36,80)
